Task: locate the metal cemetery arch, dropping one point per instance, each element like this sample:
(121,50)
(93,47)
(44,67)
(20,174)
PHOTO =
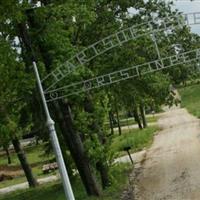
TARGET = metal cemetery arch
(115,40)
(123,74)
(96,49)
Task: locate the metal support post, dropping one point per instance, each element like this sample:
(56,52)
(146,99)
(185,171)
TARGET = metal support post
(156,46)
(54,139)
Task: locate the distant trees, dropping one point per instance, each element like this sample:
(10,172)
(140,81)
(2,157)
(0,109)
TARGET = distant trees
(14,86)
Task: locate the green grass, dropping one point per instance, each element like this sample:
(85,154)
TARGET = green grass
(37,171)
(14,181)
(131,121)
(136,139)
(190,97)
(36,159)
(34,155)
(119,174)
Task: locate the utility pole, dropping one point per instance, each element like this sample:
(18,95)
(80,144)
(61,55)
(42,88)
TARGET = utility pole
(54,139)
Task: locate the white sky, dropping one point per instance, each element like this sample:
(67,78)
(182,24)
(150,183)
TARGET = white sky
(187,6)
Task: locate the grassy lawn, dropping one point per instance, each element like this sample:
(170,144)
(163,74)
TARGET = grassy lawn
(54,191)
(36,159)
(34,155)
(131,121)
(136,139)
(37,171)
(190,97)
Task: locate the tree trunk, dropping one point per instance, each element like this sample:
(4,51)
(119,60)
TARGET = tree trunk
(103,169)
(117,116)
(8,155)
(89,108)
(136,116)
(111,122)
(142,112)
(24,162)
(65,156)
(102,166)
(73,140)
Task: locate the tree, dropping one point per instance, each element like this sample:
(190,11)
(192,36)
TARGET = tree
(62,109)
(12,104)
(5,141)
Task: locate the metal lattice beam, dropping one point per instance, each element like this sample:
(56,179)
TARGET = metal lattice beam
(115,40)
(123,74)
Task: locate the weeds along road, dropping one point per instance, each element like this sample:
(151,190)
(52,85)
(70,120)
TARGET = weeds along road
(171,170)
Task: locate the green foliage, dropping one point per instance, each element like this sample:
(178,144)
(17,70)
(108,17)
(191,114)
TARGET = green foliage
(136,139)
(36,159)
(15,85)
(190,99)
(34,154)
(55,192)
(4,136)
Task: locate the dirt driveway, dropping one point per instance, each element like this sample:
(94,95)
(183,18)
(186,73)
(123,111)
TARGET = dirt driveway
(171,170)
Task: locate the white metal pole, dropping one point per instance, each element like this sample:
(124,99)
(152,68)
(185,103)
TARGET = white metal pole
(54,139)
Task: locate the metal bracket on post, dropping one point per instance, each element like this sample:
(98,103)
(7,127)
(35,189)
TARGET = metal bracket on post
(153,37)
(156,46)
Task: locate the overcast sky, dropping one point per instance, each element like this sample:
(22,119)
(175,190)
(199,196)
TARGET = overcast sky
(186,6)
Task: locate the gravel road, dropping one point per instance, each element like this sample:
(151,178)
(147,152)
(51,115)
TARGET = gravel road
(171,170)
